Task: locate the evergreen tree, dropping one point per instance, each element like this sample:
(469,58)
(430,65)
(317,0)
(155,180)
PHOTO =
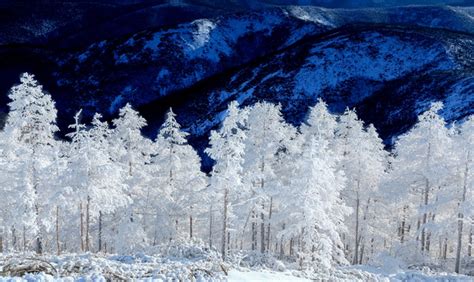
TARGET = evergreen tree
(179,174)
(31,124)
(362,159)
(227,149)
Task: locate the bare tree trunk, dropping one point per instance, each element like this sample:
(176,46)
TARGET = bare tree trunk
(461,218)
(356,247)
(1,243)
(24,238)
(428,242)
(269,224)
(362,249)
(14,240)
(402,233)
(210,227)
(469,247)
(457,266)
(445,248)
(190,226)
(254,232)
(224,225)
(425,216)
(39,245)
(372,241)
(58,247)
(282,250)
(100,231)
(262,216)
(88,223)
(228,241)
(291,246)
(82,226)
(262,230)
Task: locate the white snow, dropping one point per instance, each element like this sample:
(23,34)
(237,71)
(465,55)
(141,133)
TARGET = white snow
(249,276)
(341,59)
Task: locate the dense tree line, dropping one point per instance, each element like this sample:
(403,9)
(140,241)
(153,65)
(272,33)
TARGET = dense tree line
(322,194)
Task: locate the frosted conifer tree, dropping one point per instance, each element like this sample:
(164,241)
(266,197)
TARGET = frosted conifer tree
(267,135)
(363,163)
(31,123)
(464,144)
(421,165)
(98,183)
(315,207)
(227,149)
(180,176)
(133,151)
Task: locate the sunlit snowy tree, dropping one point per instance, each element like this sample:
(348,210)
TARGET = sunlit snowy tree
(227,149)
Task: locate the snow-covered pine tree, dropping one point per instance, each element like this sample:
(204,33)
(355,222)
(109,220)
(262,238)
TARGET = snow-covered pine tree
(421,164)
(227,150)
(179,175)
(133,151)
(31,124)
(18,212)
(96,181)
(314,204)
(464,145)
(362,159)
(268,134)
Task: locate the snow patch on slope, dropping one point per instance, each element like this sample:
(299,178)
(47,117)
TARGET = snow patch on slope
(461,97)
(375,57)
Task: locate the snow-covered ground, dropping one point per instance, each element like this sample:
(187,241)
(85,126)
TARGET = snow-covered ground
(239,276)
(92,267)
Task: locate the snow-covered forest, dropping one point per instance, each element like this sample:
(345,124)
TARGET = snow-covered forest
(324,194)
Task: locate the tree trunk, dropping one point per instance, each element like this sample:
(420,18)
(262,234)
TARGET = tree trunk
(224,225)
(282,250)
(356,247)
(14,240)
(210,227)
(469,247)
(425,216)
(82,226)
(457,266)
(254,232)
(460,219)
(58,247)
(190,226)
(291,246)
(402,231)
(24,238)
(362,249)
(262,230)
(428,242)
(445,248)
(88,223)
(39,245)
(269,224)
(100,231)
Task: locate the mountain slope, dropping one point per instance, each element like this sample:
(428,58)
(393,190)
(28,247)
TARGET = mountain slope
(296,54)
(388,63)
(159,62)
(368,67)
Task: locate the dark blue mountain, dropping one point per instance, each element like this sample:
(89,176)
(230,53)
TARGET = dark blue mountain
(388,63)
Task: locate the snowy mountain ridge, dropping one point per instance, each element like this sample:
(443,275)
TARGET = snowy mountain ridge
(190,57)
